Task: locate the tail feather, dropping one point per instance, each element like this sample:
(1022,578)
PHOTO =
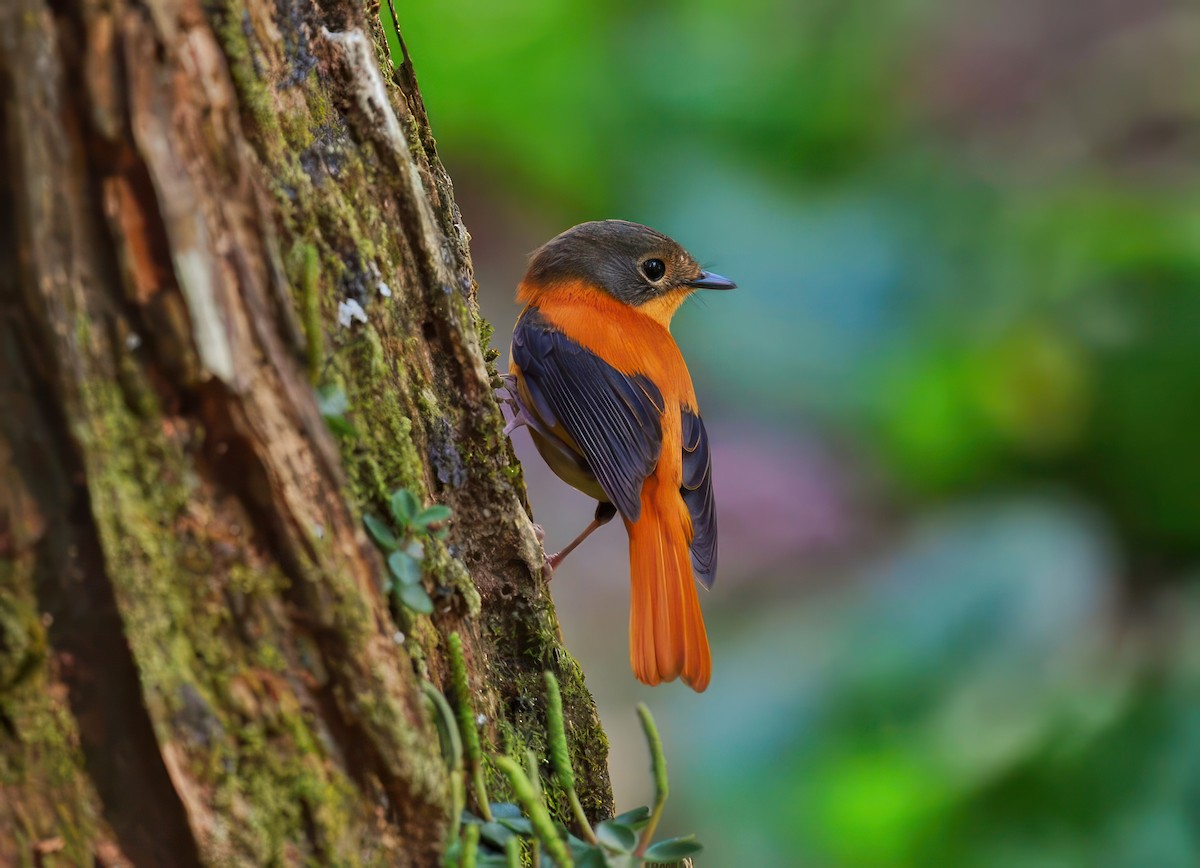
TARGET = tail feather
(667,639)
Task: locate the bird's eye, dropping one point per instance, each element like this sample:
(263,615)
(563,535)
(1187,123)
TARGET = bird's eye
(654,269)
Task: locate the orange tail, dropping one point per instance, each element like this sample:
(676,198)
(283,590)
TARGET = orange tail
(666,629)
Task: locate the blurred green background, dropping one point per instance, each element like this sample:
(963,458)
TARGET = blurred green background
(954,404)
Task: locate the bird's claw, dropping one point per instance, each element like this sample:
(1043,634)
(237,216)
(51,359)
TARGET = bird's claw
(508,395)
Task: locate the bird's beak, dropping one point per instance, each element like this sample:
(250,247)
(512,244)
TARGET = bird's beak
(708,280)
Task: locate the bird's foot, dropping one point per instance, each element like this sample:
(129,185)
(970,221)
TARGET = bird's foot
(516,421)
(506,395)
(539,532)
(552,562)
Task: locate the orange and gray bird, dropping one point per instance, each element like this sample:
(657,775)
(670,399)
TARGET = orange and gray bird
(597,378)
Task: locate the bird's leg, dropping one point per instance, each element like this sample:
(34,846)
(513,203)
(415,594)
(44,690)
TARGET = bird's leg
(604,514)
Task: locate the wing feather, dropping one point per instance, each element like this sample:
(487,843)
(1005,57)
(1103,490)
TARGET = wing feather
(614,418)
(697,494)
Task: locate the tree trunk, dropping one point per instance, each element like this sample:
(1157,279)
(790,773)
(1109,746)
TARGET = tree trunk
(198,662)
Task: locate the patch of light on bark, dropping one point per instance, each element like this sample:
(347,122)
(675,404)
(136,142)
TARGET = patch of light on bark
(196,280)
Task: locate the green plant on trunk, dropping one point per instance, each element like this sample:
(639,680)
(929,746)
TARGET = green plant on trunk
(524,832)
(405,547)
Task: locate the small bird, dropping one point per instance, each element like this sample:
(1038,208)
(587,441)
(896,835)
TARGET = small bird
(597,378)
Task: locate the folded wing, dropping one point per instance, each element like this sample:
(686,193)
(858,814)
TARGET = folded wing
(614,419)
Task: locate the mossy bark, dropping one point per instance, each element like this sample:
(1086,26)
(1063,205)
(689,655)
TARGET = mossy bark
(198,662)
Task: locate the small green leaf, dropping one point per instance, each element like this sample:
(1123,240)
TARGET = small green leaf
(415,598)
(520,825)
(339,426)
(404,506)
(616,837)
(673,849)
(415,550)
(588,856)
(405,569)
(432,515)
(634,819)
(448,733)
(495,834)
(332,404)
(331,401)
(380,532)
(505,810)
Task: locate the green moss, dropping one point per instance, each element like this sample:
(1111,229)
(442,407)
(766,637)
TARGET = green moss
(42,771)
(269,767)
(22,639)
(83,331)
(415,141)
(254,97)
(449,572)
(296,131)
(282,776)
(137,489)
(525,725)
(309,272)
(320,112)
(246,580)
(376,393)
(485,329)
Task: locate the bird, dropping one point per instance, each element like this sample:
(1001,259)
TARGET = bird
(602,387)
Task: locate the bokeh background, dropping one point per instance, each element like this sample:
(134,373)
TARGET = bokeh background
(954,404)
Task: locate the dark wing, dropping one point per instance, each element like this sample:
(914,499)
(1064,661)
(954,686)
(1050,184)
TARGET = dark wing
(614,418)
(697,494)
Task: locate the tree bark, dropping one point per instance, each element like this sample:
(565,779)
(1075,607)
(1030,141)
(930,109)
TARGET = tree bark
(198,664)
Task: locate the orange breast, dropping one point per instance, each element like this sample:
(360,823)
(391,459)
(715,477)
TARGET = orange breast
(632,341)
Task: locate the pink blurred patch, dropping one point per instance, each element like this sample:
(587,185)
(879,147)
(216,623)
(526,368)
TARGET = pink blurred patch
(781,498)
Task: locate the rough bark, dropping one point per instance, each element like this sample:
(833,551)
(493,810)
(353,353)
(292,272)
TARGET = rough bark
(198,664)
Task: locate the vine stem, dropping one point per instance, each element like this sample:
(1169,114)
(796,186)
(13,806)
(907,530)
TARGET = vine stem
(658,765)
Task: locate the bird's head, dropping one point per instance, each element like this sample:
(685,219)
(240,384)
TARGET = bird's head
(632,263)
